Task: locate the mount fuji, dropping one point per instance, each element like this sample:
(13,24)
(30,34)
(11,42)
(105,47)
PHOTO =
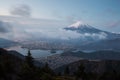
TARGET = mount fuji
(107,40)
(78,36)
(82,28)
(88,30)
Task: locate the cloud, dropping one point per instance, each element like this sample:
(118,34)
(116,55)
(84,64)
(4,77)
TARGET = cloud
(20,34)
(6,30)
(95,36)
(24,28)
(63,34)
(56,34)
(67,34)
(21,10)
(10,31)
(5,27)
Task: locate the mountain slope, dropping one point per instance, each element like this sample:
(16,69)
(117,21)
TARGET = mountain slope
(67,57)
(97,67)
(89,31)
(57,60)
(97,55)
(113,44)
(6,43)
(10,65)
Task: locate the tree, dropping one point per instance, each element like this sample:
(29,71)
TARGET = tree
(67,71)
(29,59)
(28,70)
(47,69)
(2,71)
(59,74)
(48,73)
(80,73)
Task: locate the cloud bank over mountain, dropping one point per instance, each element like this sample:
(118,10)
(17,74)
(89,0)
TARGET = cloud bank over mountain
(63,34)
(19,31)
(5,27)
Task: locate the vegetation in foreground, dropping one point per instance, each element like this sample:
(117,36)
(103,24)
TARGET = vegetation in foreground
(14,68)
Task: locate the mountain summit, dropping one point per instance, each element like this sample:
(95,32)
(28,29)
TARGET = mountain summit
(82,28)
(79,24)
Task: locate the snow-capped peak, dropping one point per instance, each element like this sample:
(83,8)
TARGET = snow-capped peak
(76,24)
(80,27)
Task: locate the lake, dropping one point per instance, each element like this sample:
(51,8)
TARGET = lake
(35,53)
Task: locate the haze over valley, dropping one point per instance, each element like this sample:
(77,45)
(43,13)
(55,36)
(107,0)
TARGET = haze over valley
(59,40)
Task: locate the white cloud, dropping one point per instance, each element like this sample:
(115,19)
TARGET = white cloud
(55,33)
(26,28)
(96,36)
(66,34)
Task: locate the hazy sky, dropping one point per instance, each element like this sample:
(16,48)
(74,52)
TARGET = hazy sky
(103,14)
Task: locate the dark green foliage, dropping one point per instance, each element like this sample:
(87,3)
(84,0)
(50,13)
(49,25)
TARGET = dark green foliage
(13,68)
(28,73)
(46,76)
(92,76)
(67,71)
(47,69)
(29,59)
(113,75)
(81,72)
(2,71)
(8,65)
(28,70)
(59,74)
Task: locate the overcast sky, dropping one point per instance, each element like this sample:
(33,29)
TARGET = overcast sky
(102,14)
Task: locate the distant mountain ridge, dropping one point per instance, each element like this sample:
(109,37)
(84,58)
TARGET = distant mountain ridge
(96,55)
(112,44)
(6,43)
(68,57)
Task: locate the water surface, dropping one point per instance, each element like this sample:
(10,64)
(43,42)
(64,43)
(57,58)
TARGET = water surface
(35,53)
